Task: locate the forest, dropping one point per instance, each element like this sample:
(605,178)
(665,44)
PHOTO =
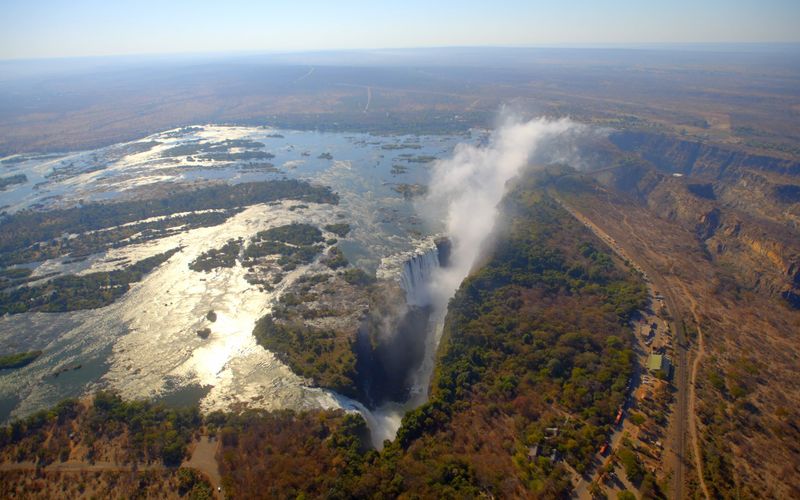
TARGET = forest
(131,431)
(535,356)
(534,361)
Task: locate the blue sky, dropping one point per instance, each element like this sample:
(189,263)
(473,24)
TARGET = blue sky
(58,28)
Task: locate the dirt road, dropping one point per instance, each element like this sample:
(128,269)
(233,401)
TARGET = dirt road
(681,380)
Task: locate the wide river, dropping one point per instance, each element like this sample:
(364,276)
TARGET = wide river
(145,344)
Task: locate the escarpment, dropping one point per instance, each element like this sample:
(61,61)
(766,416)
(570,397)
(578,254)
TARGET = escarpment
(743,208)
(675,155)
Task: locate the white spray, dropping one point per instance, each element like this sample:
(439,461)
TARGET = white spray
(465,191)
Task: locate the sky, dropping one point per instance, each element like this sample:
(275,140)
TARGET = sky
(76,28)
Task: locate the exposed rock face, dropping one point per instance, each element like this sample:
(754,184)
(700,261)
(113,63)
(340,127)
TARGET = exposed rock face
(744,209)
(708,224)
(674,155)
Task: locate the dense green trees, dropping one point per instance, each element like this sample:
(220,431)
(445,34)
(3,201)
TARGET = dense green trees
(341,230)
(215,258)
(18,360)
(321,355)
(72,292)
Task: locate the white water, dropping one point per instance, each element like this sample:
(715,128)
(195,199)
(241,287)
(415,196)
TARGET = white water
(416,273)
(464,191)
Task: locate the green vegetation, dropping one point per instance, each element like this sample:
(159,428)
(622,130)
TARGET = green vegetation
(297,244)
(311,352)
(72,292)
(398,169)
(15,276)
(410,191)
(404,145)
(290,256)
(535,355)
(410,158)
(326,355)
(12,179)
(144,431)
(538,332)
(18,360)
(92,242)
(217,258)
(637,418)
(335,258)
(630,462)
(194,485)
(356,276)
(240,156)
(155,432)
(293,234)
(265,167)
(533,363)
(341,230)
(26,228)
(222,147)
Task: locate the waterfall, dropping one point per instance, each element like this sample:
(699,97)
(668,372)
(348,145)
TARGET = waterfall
(415,274)
(413,270)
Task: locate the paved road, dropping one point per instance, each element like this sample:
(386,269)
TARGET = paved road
(310,72)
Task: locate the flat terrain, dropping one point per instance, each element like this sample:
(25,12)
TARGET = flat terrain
(747,97)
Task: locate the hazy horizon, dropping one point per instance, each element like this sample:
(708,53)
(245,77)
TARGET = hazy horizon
(57,29)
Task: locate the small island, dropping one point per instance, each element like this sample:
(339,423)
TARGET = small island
(18,360)
(12,179)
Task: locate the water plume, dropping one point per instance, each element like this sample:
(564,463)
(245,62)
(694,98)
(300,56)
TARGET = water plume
(465,191)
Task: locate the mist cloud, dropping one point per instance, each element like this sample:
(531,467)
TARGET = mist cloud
(464,193)
(468,187)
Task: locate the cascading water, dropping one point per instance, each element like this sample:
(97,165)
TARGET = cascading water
(464,191)
(392,367)
(416,272)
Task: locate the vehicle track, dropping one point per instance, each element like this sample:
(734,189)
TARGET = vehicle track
(682,407)
(693,435)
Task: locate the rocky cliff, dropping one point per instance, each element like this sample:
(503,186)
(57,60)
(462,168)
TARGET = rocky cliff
(743,208)
(674,155)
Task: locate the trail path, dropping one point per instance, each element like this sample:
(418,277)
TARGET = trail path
(693,435)
(684,405)
(204,459)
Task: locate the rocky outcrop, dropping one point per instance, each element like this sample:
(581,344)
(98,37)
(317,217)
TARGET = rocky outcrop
(674,155)
(746,218)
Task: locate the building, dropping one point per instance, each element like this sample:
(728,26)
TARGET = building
(658,362)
